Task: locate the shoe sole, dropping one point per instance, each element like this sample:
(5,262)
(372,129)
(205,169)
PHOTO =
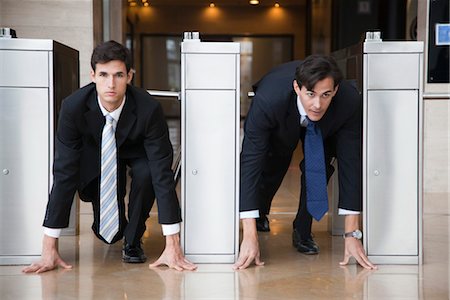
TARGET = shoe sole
(133,260)
(309,252)
(305,252)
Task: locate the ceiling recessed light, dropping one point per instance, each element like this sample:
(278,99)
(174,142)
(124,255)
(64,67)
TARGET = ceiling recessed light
(254,2)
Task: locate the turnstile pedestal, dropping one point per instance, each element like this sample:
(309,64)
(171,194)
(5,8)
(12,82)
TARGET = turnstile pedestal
(210,151)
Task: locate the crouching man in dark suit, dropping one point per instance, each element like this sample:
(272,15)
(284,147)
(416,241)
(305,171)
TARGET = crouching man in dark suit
(104,128)
(305,101)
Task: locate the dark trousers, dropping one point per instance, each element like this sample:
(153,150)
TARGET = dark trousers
(303,220)
(272,176)
(140,200)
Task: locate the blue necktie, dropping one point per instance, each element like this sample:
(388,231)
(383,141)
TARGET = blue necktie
(109,211)
(316,179)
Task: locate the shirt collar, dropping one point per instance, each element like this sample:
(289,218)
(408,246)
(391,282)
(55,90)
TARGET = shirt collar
(300,107)
(115,114)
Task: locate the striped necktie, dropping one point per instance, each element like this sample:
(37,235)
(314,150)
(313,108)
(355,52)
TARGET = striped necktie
(109,211)
(316,180)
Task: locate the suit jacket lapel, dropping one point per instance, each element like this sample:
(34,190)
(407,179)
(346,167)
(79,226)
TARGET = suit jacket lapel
(94,118)
(126,120)
(293,118)
(328,122)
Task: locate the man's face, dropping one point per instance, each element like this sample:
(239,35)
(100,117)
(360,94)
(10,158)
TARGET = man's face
(111,81)
(317,100)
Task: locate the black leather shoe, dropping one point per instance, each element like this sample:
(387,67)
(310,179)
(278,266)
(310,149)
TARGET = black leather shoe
(262,224)
(307,246)
(133,254)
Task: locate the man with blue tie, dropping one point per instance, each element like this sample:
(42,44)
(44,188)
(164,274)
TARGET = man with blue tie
(308,101)
(105,128)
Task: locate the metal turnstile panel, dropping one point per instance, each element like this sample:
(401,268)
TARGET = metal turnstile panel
(210,135)
(392,172)
(393,71)
(24,154)
(24,68)
(35,75)
(210,71)
(210,150)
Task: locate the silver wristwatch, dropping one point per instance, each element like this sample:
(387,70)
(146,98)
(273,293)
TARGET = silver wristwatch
(357,234)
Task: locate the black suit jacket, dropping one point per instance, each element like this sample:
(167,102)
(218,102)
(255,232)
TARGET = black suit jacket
(141,133)
(273,126)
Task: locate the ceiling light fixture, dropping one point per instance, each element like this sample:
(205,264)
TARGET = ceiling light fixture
(254,2)
(277,4)
(212,4)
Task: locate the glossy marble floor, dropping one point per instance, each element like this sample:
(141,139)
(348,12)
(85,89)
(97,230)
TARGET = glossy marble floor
(99,273)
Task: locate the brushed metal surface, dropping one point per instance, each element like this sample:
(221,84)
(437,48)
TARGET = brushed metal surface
(24,152)
(195,46)
(24,68)
(391,47)
(393,71)
(216,71)
(392,172)
(210,172)
(210,151)
(27,44)
(35,75)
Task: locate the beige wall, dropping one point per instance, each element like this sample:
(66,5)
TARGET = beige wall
(436,146)
(237,20)
(436,161)
(67,21)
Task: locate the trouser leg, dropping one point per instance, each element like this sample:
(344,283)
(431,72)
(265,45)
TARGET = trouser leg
(140,201)
(303,219)
(274,171)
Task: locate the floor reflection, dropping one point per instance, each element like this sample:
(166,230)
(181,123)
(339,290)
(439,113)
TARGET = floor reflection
(394,283)
(98,272)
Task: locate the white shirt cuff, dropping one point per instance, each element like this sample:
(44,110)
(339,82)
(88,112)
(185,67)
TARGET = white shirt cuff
(343,212)
(52,232)
(249,214)
(169,229)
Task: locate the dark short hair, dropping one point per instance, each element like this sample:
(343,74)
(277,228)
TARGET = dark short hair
(108,51)
(316,68)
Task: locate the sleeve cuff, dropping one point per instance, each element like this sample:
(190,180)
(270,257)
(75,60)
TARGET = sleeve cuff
(344,212)
(52,232)
(169,229)
(249,214)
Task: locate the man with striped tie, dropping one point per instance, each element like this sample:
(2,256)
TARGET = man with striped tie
(105,128)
